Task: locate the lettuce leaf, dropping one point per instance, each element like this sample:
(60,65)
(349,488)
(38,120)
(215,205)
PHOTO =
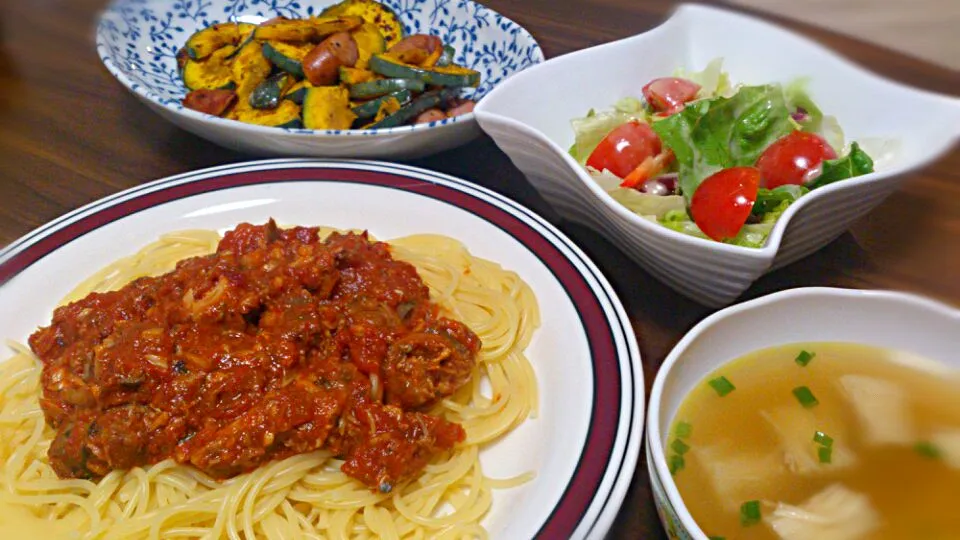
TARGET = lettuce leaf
(647,205)
(713,80)
(772,200)
(751,235)
(714,134)
(855,163)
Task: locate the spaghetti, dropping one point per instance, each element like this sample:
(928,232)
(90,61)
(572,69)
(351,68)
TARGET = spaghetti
(306,495)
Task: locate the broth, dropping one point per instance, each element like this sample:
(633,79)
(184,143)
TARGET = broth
(750,464)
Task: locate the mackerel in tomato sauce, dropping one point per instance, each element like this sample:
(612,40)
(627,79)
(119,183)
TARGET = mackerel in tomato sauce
(277,344)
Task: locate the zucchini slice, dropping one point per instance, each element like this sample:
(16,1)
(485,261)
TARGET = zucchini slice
(451,75)
(382,87)
(389,105)
(286,115)
(327,107)
(369,42)
(250,68)
(427,100)
(300,30)
(373,12)
(287,56)
(296,92)
(446,57)
(202,44)
(211,73)
(268,93)
(349,75)
(372,107)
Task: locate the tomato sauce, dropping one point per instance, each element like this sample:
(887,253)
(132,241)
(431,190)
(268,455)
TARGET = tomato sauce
(277,344)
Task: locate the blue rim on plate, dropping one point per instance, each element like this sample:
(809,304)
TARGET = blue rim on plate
(596,487)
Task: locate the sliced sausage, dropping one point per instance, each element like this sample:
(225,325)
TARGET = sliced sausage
(429,115)
(464,107)
(214,102)
(322,64)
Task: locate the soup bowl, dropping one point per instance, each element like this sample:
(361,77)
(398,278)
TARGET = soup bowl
(890,320)
(137,40)
(529,118)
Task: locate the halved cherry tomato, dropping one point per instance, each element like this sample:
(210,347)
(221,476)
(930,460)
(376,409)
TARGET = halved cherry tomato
(793,159)
(669,94)
(625,148)
(722,203)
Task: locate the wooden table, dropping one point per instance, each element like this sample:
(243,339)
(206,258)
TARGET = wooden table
(72,134)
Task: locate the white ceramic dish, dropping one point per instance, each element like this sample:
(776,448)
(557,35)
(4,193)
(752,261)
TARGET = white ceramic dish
(137,41)
(884,319)
(584,444)
(529,118)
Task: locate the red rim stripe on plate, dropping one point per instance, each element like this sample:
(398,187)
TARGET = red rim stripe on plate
(605,419)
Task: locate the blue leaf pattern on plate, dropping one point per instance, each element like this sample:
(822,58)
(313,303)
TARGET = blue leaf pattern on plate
(139,39)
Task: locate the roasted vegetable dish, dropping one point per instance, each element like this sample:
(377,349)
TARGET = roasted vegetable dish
(351,67)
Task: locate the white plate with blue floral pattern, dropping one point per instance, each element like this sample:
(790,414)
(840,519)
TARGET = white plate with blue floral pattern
(137,40)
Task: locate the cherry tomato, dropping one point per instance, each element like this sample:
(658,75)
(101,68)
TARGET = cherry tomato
(669,94)
(793,159)
(722,203)
(624,148)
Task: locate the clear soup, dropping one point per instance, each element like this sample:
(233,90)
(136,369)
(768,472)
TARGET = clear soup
(821,441)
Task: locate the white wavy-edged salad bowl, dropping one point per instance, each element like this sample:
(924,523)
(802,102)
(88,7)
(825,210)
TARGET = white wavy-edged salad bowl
(137,40)
(529,118)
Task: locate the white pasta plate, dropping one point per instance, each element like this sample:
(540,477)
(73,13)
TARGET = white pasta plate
(583,444)
(529,118)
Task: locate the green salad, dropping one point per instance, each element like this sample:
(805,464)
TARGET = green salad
(715,160)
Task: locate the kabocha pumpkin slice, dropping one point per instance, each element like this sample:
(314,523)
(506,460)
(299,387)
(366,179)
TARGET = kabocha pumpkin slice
(369,42)
(372,12)
(300,30)
(327,107)
(210,73)
(452,75)
(296,92)
(382,87)
(427,100)
(287,56)
(349,75)
(250,68)
(202,44)
(268,93)
(372,107)
(246,36)
(285,115)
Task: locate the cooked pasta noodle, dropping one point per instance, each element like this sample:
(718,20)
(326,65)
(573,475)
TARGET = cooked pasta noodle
(303,496)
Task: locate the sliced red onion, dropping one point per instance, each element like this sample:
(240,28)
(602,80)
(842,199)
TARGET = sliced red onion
(665,184)
(800,115)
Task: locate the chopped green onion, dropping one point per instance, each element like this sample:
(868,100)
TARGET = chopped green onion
(676,464)
(683,430)
(804,358)
(722,385)
(823,439)
(927,450)
(825,453)
(750,513)
(805,396)
(680,447)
